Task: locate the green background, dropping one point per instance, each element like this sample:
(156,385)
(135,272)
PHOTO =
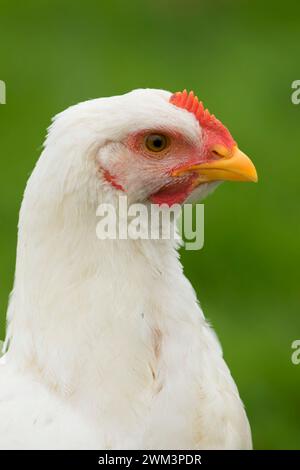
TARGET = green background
(240,57)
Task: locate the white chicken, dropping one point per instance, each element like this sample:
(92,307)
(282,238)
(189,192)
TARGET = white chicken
(106,345)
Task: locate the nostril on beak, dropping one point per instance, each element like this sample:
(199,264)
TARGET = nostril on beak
(216,154)
(220,151)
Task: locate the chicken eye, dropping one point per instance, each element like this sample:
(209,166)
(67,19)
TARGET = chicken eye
(156,142)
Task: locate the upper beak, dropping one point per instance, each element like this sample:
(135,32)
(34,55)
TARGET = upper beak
(231,165)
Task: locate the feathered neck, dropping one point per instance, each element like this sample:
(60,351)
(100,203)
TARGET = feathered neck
(101,324)
(75,295)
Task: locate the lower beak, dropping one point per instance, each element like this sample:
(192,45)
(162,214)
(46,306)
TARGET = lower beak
(231,165)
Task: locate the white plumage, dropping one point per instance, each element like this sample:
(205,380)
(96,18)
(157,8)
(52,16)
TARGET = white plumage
(107,346)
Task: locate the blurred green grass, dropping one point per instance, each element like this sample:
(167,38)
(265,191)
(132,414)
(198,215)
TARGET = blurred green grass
(240,58)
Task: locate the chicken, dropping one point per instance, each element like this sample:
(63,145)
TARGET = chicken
(106,344)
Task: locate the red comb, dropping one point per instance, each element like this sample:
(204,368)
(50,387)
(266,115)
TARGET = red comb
(191,103)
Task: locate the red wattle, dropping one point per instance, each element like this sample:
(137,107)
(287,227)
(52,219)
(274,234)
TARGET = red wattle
(175,193)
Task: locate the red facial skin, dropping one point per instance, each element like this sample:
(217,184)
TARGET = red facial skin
(183,154)
(180,154)
(180,151)
(112,180)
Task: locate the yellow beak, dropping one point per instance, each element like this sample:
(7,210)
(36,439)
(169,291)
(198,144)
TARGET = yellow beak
(230,165)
